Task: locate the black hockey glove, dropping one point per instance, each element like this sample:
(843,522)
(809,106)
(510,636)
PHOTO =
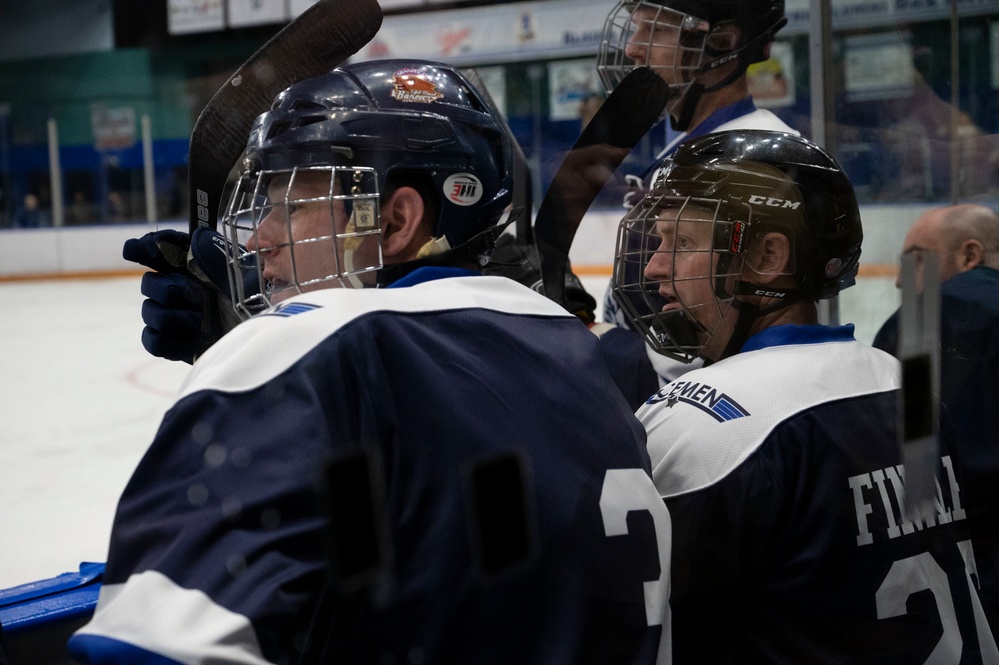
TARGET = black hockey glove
(184,267)
(514,258)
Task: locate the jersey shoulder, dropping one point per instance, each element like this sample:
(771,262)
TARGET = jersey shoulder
(758,119)
(274,340)
(704,425)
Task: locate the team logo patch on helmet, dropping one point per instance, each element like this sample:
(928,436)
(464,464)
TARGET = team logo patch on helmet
(410,85)
(463,189)
(834,267)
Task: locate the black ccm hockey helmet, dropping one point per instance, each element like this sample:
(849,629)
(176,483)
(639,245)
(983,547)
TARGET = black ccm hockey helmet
(743,183)
(367,125)
(702,43)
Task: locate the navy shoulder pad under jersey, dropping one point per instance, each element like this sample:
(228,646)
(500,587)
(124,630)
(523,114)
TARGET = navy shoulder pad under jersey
(510,487)
(782,472)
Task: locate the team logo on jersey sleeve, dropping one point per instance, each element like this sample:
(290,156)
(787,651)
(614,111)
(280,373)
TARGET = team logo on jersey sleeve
(289,309)
(717,404)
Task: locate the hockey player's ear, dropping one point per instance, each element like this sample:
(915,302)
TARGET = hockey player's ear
(769,257)
(403,231)
(724,38)
(970,254)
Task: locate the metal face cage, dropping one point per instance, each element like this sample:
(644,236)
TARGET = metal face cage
(300,230)
(677,310)
(668,41)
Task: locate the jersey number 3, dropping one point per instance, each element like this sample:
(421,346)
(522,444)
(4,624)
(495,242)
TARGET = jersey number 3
(627,490)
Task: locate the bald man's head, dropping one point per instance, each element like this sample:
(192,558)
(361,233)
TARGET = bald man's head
(961,237)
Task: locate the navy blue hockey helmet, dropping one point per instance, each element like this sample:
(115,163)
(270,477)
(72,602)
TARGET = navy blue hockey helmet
(369,128)
(395,116)
(740,184)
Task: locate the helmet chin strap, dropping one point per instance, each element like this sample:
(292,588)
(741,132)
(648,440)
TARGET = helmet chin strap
(749,313)
(689,102)
(352,243)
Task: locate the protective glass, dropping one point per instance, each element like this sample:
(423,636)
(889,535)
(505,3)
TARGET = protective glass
(305,228)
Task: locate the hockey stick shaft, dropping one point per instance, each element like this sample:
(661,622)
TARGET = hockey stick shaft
(318,40)
(619,124)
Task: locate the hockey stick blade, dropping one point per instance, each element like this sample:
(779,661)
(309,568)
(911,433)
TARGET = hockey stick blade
(625,117)
(318,40)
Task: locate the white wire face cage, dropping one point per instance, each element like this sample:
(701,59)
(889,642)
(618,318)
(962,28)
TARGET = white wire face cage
(677,310)
(299,230)
(668,41)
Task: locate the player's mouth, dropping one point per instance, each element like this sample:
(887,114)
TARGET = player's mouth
(272,281)
(672,302)
(275,284)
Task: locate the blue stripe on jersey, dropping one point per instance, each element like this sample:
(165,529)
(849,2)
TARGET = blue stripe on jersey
(98,650)
(796,334)
(430,273)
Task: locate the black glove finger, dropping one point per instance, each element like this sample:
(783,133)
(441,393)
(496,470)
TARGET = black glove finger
(173,290)
(171,321)
(164,251)
(170,348)
(170,332)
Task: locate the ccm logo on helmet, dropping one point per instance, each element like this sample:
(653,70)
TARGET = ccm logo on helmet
(772,202)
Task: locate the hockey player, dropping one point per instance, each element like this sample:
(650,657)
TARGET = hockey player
(965,241)
(779,460)
(701,48)
(508,504)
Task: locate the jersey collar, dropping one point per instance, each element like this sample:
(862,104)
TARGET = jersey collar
(797,334)
(729,112)
(430,273)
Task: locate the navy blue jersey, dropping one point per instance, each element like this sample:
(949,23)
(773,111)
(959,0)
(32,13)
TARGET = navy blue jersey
(217,549)
(783,477)
(969,391)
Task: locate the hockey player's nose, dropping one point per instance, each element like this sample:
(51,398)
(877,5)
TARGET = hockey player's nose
(263,235)
(637,51)
(659,266)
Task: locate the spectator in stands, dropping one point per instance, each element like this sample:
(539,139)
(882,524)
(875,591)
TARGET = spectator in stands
(30,215)
(81,210)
